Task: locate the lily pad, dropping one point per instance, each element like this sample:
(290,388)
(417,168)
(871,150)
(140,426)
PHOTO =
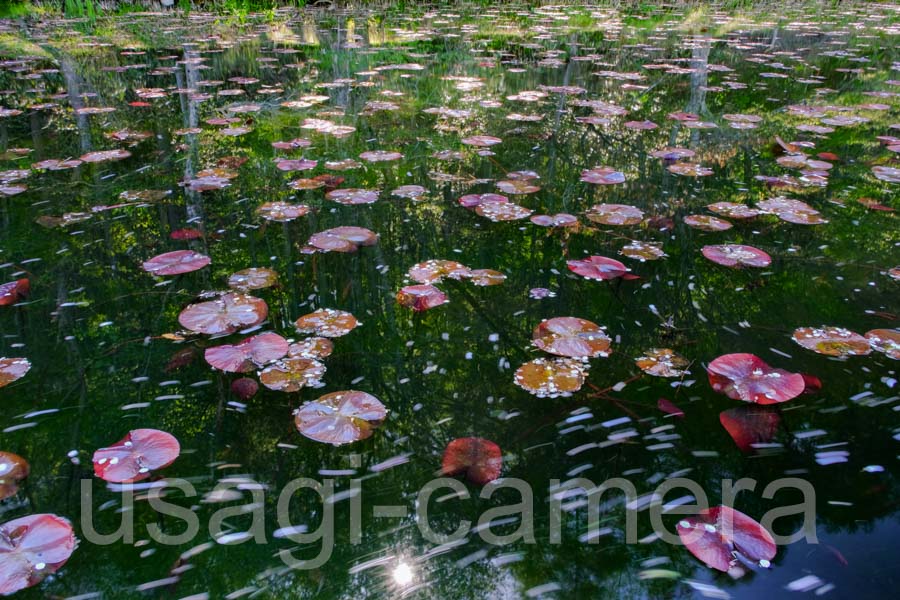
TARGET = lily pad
(340,417)
(737,255)
(662,362)
(327,322)
(598,268)
(716,535)
(135,455)
(176,263)
(478,459)
(292,374)
(550,377)
(749,378)
(421,297)
(33,547)
(832,341)
(226,314)
(248,354)
(571,337)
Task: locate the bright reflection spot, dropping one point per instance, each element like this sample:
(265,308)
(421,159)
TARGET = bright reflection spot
(403,574)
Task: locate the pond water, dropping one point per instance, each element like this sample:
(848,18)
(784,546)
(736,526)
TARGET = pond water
(202,120)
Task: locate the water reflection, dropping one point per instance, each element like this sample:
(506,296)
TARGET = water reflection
(556,86)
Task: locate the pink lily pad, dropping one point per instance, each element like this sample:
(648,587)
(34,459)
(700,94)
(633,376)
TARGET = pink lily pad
(225,314)
(31,548)
(340,417)
(135,455)
(598,268)
(421,297)
(247,354)
(736,255)
(176,263)
(716,533)
(749,378)
(571,337)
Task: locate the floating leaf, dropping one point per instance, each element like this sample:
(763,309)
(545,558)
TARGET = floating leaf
(13,469)
(517,186)
(247,354)
(885,340)
(32,548)
(474,200)
(747,377)
(662,362)
(749,426)
(615,214)
(485,277)
(602,176)
(225,314)
(411,192)
(135,455)
(643,251)
(282,212)
(433,271)
(380,156)
(549,378)
(502,211)
(707,223)
(598,268)
(352,196)
(327,322)
(557,220)
(176,263)
(314,347)
(832,341)
(736,255)
(481,140)
(14,291)
(244,388)
(669,407)
(254,278)
(13,369)
(792,211)
(571,337)
(478,459)
(292,374)
(421,297)
(343,239)
(716,535)
(340,417)
(733,210)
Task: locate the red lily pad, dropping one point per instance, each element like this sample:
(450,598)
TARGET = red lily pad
(327,322)
(598,268)
(225,314)
(186,233)
(551,377)
(13,369)
(244,388)
(135,455)
(340,417)
(736,255)
(615,214)
(105,156)
(478,459)
(421,297)
(750,425)
(254,278)
(176,263)
(14,291)
(517,186)
(749,378)
(571,337)
(716,533)
(792,211)
(292,374)
(31,548)
(247,354)
(343,239)
(669,407)
(707,223)
(832,341)
(886,341)
(13,469)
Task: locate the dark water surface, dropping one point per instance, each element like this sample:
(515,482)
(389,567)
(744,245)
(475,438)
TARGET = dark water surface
(95,324)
